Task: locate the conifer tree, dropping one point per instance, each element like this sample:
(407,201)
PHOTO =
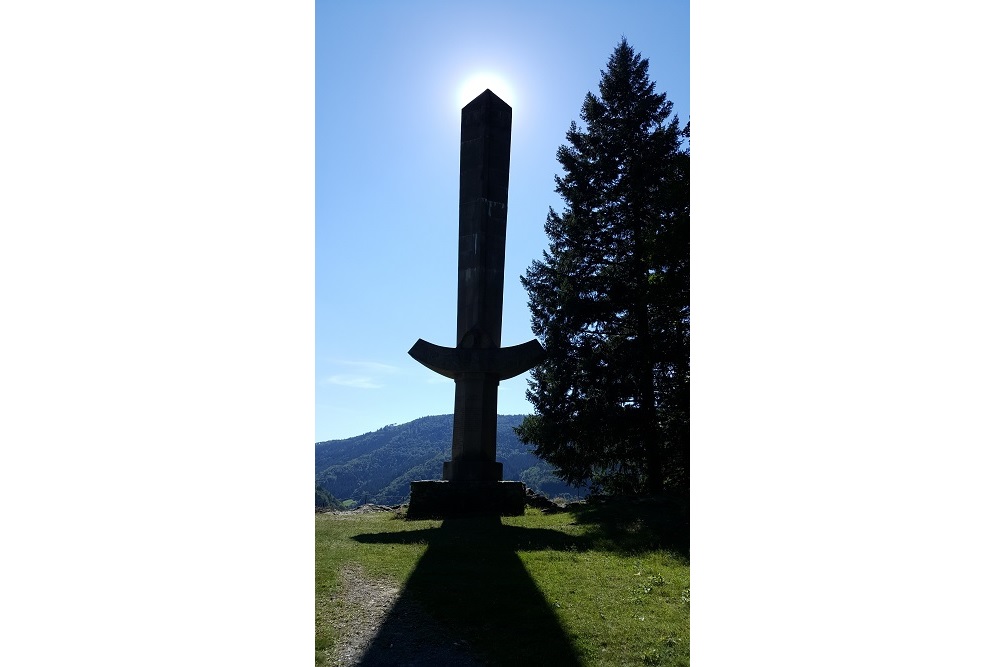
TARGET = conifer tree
(609,299)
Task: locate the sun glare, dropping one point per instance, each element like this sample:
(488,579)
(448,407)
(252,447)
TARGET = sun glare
(473,85)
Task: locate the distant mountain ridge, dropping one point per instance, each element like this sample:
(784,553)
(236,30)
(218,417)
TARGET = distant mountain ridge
(378,467)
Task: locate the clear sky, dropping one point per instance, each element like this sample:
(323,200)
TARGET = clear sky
(391,78)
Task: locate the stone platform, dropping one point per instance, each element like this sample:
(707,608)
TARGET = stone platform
(443,499)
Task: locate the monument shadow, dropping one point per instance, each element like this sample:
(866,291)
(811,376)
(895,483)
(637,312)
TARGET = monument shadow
(483,602)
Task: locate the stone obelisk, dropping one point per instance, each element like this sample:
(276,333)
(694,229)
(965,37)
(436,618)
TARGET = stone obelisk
(477,364)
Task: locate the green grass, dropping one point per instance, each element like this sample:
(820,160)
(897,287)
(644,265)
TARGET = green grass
(607,584)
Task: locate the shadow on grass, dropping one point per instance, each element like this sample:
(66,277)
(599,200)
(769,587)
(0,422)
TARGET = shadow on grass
(482,603)
(473,584)
(632,526)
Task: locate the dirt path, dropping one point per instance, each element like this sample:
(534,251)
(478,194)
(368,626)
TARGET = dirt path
(380,628)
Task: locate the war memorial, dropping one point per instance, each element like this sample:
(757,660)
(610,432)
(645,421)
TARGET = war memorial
(472,481)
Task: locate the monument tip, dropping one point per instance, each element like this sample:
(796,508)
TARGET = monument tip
(484,98)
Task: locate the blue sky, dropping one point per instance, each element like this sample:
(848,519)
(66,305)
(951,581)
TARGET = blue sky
(390,79)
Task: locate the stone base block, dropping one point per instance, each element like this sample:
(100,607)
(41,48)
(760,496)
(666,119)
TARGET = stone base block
(473,471)
(443,499)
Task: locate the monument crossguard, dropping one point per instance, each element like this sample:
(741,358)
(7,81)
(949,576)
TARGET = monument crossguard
(472,479)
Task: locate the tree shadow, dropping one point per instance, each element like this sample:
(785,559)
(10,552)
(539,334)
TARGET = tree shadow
(485,607)
(635,525)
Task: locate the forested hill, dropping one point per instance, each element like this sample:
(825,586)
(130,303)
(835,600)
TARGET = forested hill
(378,467)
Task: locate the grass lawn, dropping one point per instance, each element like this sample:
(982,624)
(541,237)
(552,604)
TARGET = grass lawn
(601,584)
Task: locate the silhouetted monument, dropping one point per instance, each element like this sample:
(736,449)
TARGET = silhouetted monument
(472,479)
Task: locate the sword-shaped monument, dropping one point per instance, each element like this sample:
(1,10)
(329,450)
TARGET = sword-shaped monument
(472,479)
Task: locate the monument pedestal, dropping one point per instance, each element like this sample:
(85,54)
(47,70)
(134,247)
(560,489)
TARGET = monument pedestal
(439,499)
(461,470)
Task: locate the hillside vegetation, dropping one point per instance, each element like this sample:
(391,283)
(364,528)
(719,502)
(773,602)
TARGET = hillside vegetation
(378,467)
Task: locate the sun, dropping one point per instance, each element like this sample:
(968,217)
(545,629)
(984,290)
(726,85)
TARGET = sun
(476,83)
